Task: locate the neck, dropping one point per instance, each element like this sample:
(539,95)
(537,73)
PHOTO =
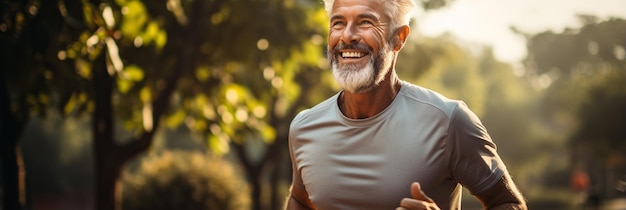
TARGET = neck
(372,102)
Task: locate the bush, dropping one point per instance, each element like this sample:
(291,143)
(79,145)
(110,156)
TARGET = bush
(184,180)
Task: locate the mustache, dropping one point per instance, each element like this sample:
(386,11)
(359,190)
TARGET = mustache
(353,46)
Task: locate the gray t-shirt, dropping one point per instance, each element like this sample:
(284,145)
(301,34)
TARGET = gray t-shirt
(370,163)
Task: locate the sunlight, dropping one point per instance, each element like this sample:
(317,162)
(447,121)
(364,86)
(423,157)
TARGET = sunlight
(147,117)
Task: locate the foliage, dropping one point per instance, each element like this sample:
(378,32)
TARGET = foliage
(148,37)
(33,77)
(590,62)
(603,116)
(185,180)
(232,68)
(576,51)
(444,65)
(434,4)
(32,33)
(237,71)
(231,74)
(580,75)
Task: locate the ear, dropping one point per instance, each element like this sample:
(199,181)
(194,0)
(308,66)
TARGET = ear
(400,36)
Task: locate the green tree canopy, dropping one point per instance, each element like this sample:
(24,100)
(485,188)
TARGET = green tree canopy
(581,71)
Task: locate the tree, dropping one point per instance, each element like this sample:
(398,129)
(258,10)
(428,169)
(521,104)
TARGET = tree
(580,73)
(221,83)
(602,116)
(249,89)
(115,60)
(444,65)
(586,60)
(26,85)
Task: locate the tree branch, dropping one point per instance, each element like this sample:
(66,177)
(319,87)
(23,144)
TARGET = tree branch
(160,104)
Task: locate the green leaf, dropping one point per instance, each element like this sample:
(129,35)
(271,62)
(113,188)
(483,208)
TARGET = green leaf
(134,73)
(203,73)
(145,94)
(161,39)
(176,119)
(268,133)
(123,85)
(134,18)
(217,145)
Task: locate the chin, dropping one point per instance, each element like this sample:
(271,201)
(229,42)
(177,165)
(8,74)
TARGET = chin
(354,79)
(361,78)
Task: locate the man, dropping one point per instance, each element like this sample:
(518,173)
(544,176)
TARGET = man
(383,143)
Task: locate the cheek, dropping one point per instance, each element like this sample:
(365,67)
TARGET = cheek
(376,42)
(380,35)
(333,39)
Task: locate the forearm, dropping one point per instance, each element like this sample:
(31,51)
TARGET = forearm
(514,201)
(293,204)
(510,206)
(503,196)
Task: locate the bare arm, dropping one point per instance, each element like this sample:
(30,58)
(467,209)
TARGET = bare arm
(503,195)
(299,200)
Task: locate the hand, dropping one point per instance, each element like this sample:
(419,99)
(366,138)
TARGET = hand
(418,200)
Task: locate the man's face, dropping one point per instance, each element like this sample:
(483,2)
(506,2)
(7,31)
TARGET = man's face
(359,53)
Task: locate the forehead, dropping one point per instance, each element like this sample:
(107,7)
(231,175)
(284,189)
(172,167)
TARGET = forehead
(358,6)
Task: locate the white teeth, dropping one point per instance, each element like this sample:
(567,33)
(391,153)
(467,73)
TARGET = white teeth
(352,54)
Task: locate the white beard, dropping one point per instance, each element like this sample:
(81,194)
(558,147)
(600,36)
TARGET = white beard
(359,80)
(353,79)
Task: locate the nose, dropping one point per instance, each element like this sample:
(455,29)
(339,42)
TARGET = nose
(350,34)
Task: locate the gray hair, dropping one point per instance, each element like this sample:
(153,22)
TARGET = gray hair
(400,11)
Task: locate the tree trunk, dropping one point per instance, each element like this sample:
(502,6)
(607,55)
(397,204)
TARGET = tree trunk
(106,166)
(106,174)
(11,126)
(256,192)
(255,173)
(274,178)
(109,156)
(252,172)
(13,177)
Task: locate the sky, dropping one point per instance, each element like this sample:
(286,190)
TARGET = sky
(489,21)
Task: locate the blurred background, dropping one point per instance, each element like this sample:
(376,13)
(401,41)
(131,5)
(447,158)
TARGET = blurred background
(186,104)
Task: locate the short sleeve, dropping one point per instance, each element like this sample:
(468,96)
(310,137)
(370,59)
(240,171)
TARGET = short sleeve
(297,178)
(473,159)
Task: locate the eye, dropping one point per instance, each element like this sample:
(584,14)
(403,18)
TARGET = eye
(336,23)
(366,22)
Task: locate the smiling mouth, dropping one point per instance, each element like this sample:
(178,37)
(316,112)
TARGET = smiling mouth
(353,55)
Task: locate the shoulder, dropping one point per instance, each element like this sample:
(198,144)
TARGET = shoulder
(457,113)
(430,99)
(316,112)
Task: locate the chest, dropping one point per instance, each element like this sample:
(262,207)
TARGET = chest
(371,167)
